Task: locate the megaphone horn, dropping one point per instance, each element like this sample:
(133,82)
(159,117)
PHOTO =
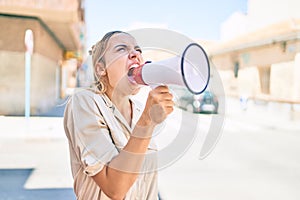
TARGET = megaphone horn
(191,70)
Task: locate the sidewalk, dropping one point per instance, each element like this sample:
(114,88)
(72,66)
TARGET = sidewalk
(34,159)
(268,115)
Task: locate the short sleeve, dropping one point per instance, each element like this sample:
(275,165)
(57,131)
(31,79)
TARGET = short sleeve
(88,133)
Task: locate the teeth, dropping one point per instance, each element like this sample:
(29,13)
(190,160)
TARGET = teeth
(134,65)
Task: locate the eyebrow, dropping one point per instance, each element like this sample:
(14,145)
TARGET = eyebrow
(124,45)
(120,45)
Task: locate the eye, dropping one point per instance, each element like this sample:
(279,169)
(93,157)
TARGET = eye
(121,49)
(139,50)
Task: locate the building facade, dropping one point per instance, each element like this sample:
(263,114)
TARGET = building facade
(261,60)
(58,42)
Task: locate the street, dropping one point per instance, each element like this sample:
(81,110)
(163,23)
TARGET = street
(256,157)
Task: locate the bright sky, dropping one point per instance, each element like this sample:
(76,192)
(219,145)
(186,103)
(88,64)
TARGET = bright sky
(197,19)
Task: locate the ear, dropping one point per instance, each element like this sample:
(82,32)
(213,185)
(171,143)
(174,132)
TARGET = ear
(100,69)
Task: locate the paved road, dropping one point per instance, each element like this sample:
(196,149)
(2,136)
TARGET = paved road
(257,157)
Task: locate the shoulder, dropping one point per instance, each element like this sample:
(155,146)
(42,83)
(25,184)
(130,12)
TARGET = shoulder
(83,95)
(83,98)
(84,105)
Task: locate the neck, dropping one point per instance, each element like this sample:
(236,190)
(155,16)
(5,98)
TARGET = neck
(122,103)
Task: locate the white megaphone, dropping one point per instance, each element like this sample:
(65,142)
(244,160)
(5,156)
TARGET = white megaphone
(191,69)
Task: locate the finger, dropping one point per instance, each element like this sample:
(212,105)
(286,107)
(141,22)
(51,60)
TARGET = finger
(168,110)
(168,96)
(168,103)
(165,96)
(162,89)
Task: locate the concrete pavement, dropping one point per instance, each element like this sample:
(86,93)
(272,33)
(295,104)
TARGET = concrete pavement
(257,157)
(34,159)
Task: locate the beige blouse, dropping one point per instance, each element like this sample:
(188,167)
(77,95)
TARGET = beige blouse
(91,121)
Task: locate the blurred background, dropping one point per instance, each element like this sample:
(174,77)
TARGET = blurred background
(252,45)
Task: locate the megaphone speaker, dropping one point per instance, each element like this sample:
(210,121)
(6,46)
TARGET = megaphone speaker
(191,69)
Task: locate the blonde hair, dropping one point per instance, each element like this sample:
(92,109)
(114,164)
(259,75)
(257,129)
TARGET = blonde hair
(97,52)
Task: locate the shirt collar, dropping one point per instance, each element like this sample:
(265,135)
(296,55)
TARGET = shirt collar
(136,109)
(108,101)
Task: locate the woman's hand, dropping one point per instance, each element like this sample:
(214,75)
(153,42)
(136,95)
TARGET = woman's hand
(158,106)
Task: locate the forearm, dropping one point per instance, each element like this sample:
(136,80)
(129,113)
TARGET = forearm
(117,178)
(123,170)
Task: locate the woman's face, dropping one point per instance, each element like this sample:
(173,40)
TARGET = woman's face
(122,53)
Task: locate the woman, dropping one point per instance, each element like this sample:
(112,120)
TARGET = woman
(109,134)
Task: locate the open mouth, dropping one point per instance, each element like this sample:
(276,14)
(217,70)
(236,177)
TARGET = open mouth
(130,73)
(131,67)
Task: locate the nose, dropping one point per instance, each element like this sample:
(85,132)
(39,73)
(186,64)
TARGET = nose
(133,54)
